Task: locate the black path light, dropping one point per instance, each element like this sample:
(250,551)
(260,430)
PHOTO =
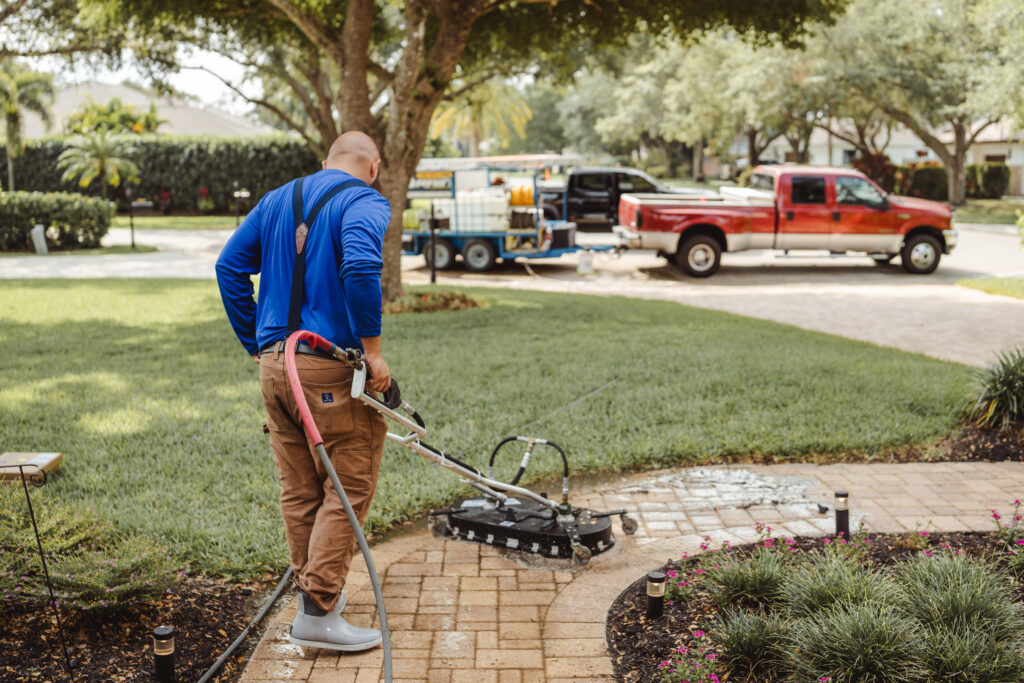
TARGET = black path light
(655,595)
(163,654)
(842,514)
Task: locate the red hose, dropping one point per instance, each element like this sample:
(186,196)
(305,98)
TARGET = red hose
(317,342)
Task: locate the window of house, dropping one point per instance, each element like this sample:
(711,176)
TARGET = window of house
(808,189)
(995,158)
(848,156)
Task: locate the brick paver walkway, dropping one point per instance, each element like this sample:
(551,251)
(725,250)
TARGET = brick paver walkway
(463,613)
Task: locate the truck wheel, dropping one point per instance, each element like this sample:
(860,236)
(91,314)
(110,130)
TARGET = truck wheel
(921,254)
(699,256)
(479,255)
(442,252)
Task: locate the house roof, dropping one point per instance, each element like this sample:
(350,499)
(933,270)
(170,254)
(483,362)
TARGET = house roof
(182,117)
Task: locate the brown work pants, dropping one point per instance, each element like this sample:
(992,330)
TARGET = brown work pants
(320,539)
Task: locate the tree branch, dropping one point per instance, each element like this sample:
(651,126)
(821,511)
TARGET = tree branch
(312,27)
(10,9)
(266,104)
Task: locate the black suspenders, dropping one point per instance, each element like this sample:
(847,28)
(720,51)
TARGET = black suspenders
(302,228)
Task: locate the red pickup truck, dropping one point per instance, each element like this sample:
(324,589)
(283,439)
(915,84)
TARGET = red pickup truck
(789,208)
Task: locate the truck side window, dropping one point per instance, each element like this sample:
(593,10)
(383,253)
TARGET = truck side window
(857,191)
(762,181)
(594,182)
(808,189)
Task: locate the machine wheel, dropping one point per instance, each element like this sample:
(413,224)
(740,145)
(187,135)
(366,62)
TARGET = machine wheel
(580,555)
(479,255)
(629,525)
(438,526)
(699,256)
(442,252)
(882,259)
(921,254)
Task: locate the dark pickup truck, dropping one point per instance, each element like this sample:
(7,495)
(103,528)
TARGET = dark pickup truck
(592,195)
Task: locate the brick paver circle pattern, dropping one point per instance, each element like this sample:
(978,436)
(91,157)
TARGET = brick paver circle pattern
(462,613)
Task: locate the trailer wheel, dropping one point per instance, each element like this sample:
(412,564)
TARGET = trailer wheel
(442,252)
(921,254)
(479,255)
(699,256)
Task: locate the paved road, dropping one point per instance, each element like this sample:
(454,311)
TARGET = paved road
(845,295)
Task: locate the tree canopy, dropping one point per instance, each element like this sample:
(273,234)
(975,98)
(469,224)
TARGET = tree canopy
(384,66)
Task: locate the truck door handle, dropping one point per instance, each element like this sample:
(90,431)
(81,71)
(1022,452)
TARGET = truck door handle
(835,216)
(789,215)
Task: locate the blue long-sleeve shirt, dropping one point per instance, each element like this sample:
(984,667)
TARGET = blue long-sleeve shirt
(343,265)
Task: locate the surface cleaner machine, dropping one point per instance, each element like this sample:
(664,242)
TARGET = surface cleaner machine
(505,515)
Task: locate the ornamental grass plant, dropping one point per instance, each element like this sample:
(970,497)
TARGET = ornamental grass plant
(829,615)
(998,396)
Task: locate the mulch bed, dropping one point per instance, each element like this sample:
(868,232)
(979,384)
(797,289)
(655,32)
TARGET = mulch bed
(639,644)
(207,615)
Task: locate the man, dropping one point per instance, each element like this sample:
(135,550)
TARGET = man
(339,298)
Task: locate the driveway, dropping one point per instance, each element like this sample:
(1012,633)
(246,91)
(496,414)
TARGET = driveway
(846,295)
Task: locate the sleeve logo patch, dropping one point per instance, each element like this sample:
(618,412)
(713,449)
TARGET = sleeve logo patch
(327,397)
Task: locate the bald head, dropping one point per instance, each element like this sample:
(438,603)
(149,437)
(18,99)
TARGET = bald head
(356,154)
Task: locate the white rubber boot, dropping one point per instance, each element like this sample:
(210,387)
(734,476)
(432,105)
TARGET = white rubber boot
(315,627)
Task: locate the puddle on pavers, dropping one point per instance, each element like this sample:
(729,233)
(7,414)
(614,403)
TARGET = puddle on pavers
(709,488)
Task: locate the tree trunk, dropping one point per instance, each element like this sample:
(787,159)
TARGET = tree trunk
(395,188)
(698,161)
(753,153)
(10,170)
(956,168)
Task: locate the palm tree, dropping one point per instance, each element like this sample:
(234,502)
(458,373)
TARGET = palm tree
(494,108)
(100,154)
(20,90)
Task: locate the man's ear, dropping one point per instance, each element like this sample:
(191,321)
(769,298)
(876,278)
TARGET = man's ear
(323,164)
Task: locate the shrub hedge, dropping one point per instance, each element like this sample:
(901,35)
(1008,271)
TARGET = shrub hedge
(71,220)
(926,182)
(987,181)
(179,167)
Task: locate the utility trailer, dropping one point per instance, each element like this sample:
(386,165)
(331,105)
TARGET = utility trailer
(479,214)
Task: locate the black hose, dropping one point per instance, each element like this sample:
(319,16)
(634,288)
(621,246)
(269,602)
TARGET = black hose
(522,470)
(259,617)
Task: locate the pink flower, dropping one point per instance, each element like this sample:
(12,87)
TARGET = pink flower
(826,541)
(996,516)
(698,634)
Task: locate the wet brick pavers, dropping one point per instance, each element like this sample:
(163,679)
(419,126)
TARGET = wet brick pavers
(464,613)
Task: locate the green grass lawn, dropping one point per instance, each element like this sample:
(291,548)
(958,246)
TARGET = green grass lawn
(113,249)
(177,222)
(1007,286)
(143,387)
(1002,211)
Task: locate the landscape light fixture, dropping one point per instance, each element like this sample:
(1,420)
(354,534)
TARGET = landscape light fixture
(163,654)
(842,514)
(655,595)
